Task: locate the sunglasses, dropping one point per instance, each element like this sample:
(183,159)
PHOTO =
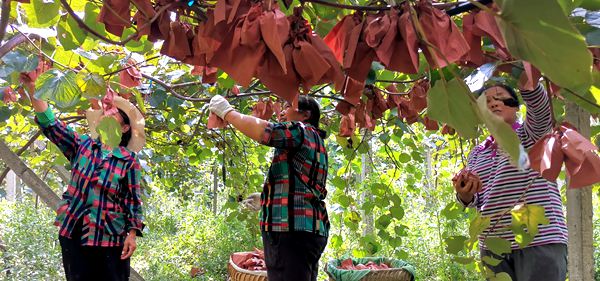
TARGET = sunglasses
(510,102)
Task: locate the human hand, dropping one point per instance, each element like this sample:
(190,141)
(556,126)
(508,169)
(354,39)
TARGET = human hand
(220,106)
(129,245)
(466,184)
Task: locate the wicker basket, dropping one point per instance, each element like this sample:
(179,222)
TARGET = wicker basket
(392,274)
(237,273)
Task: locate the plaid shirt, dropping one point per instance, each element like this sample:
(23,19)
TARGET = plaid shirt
(104,190)
(300,154)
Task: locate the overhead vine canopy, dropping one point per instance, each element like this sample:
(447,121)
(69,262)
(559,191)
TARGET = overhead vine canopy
(366,56)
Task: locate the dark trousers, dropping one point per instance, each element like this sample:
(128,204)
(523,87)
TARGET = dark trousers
(293,256)
(546,262)
(92,263)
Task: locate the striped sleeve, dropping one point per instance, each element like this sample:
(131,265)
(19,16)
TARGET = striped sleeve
(284,135)
(538,120)
(58,133)
(133,199)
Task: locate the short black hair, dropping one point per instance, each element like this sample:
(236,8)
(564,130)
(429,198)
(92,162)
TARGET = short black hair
(509,89)
(309,104)
(126,137)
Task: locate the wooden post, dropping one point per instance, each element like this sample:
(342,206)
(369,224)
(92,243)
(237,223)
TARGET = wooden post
(580,212)
(38,186)
(13,188)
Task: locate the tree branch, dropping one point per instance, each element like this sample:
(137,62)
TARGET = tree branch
(170,89)
(15,41)
(130,66)
(20,151)
(85,27)
(4,17)
(26,37)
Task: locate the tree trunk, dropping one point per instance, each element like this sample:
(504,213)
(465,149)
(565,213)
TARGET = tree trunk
(580,212)
(38,186)
(368,219)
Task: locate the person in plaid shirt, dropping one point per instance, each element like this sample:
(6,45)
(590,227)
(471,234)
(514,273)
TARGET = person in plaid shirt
(293,217)
(101,211)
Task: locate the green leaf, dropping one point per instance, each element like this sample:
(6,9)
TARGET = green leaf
(336,241)
(498,245)
(478,225)
(588,98)
(42,13)
(542,38)
(491,261)
(502,276)
(383,221)
(530,216)
(5,113)
(69,34)
(521,236)
(59,87)
(404,158)
(449,102)
(16,61)
(397,212)
(452,210)
(91,14)
(463,260)
(109,130)
(592,5)
(568,5)
(92,85)
(455,244)
(503,133)
(593,37)
(344,200)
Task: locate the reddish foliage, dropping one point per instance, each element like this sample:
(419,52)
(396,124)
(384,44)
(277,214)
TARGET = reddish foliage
(348,264)
(418,95)
(131,77)
(430,124)
(347,124)
(8,95)
(476,25)
(254,260)
(441,32)
(447,130)
(566,145)
(263,109)
(195,272)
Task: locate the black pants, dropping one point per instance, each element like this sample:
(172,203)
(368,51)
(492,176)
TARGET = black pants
(92,263)
(546,262)
(293,256)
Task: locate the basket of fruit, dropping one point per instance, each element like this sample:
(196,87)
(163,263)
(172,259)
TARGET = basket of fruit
(369,269)
(247,266)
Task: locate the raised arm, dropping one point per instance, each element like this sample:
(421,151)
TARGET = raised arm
(538,119)
(57,132)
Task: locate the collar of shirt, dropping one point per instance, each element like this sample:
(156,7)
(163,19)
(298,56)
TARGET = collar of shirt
(490,142)
(119,152)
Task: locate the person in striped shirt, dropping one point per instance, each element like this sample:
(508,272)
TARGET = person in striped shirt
(100,214)
(293,217)
(492,184)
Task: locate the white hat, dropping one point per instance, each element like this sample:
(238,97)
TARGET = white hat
(136,122)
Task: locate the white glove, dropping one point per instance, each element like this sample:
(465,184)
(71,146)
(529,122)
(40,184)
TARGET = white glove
(220,106)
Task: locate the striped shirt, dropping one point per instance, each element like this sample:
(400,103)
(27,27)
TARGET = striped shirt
(300,155)
(104,191)
(503,183)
